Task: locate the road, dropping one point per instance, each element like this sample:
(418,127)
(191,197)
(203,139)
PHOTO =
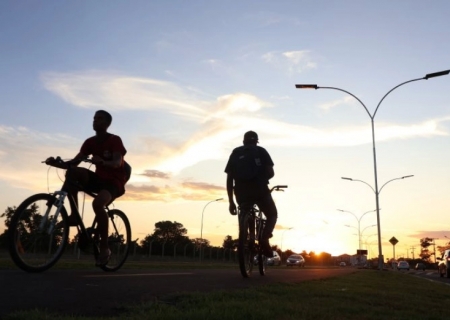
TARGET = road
(96,293)
(428,274)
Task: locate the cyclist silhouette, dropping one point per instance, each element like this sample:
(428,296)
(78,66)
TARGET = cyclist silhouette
(253,187)
(108,180)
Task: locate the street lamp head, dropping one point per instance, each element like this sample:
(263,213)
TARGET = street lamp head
(436,74)
(307,86)
(347,178)
(411,175)
(218,199)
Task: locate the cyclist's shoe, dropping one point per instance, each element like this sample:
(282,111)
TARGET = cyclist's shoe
(103,257)
(266,249)
(72,222)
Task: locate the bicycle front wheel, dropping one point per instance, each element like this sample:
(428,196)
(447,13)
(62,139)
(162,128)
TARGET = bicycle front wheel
(119,240)
(35,242)
(245,246)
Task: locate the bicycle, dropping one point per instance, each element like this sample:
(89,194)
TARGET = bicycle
(251,226)
(39,231)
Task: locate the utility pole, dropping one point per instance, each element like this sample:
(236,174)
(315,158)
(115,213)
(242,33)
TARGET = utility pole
(412,251)
(434,247)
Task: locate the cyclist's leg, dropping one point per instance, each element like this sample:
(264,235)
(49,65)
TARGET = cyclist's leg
(106,193)
(267,205)
(78,178)
(101,200)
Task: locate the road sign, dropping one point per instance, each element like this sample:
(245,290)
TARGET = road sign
(393,241)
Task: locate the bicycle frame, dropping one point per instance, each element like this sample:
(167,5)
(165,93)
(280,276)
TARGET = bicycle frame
(251,226)
(60,197)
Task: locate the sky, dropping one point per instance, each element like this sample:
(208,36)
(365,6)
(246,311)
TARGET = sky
(184,80)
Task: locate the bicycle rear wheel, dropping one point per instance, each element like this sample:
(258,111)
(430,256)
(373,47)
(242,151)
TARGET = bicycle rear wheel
(35,244)
(119,240)
(246,245)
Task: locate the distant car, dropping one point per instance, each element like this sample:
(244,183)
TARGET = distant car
(275,261)
(420,266)
(444,264)
(342,264)
(403,265)
(295,260)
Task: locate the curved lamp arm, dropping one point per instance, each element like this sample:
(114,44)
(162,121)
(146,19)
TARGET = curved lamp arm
(404,177)
(350,179)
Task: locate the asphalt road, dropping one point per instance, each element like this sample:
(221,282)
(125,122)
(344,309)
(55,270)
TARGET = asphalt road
(429,274)
(96,293)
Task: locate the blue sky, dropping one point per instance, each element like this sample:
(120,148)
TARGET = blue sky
(184,81)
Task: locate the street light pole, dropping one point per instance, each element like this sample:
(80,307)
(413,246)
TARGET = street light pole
(201,229)
(372,117)
(359,223)
(377,193)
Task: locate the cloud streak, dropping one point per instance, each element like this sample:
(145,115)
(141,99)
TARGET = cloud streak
(292,61)
(94,89)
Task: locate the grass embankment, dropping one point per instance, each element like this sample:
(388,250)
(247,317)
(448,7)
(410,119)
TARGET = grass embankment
(365,294)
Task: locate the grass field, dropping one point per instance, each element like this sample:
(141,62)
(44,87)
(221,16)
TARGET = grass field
(364,294)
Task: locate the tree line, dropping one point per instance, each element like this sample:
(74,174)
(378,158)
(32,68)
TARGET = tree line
(167,235)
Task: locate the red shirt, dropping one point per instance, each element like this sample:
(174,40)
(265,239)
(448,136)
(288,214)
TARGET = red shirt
(105,150)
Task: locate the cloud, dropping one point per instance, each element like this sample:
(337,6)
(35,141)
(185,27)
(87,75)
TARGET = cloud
(95,89)
(195,191)
(202,186)
(329,105)
(292,61)
(155,174)
(22,151)
(431,234)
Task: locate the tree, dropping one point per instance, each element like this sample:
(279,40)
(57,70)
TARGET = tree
(230,243)
(167,235)
(425,253)
(169,231)
(9,212)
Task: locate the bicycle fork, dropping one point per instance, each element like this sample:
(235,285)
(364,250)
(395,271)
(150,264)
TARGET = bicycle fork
(58,202)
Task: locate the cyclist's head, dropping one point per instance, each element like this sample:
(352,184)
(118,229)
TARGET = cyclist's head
(250,137)
(107,116)
(102,120)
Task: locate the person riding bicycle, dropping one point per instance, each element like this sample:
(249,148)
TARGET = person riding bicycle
(108,180)
(249,180)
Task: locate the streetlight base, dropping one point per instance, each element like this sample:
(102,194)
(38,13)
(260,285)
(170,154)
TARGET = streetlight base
(380,262)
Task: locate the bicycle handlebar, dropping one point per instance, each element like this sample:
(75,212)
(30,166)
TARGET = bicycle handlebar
(278,188)
(68,162)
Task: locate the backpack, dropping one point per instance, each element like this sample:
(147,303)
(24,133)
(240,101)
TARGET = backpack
(247,163)
(127,169)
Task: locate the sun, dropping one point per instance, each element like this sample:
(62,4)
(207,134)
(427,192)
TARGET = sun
(317,243)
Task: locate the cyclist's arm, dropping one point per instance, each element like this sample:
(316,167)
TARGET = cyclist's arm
(232,206)
(62,165)
(115,162)
(230,188)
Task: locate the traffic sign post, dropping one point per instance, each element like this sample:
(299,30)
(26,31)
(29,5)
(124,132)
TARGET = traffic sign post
(393,241)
